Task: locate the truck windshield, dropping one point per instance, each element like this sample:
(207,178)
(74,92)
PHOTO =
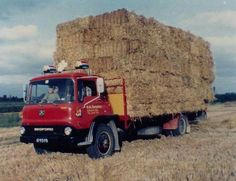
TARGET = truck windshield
(51,91)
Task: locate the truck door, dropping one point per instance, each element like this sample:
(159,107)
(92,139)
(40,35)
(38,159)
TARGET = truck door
(88,100)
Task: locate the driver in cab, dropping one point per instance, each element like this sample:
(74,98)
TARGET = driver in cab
(51,96)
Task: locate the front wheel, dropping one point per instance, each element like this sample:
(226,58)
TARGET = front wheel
(103,143)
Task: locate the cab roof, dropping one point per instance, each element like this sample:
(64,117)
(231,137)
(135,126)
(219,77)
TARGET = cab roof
(61,75)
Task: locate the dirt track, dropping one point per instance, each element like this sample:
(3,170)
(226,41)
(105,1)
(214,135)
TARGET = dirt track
(208,153)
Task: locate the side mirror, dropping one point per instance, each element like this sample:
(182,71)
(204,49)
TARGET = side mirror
(100,85)
(25,92)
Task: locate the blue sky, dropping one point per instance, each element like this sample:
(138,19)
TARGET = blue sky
(28,32)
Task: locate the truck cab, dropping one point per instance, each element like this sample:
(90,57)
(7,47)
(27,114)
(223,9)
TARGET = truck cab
(62,109)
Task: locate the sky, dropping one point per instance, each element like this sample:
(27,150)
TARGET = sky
(28,32)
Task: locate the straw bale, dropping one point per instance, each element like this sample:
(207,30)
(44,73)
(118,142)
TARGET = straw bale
(167,70)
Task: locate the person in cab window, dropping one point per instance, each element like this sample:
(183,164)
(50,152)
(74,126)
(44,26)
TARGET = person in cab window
(51,96)
(70,94)
(56,90)
(88,91)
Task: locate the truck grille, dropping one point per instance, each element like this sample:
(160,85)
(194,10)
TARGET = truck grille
(44,130)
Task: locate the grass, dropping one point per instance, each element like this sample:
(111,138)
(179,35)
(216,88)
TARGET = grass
(9,116)
(9,119)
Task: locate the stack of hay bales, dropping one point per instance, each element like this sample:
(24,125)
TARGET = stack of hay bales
(167,70)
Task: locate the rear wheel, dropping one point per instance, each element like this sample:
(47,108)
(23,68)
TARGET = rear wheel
(103,144)
(182,126)
(202,116)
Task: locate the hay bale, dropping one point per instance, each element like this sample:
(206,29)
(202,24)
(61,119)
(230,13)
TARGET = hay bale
(167,70)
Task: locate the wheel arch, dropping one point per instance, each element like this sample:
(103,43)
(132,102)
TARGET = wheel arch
(106,119)
(113,122)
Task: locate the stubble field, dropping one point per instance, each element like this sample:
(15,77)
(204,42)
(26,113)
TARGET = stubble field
(207,153)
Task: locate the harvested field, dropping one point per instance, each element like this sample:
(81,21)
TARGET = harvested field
(207,153)
(167,70)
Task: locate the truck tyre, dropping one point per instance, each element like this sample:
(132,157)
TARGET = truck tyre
(182,126)
(103,144)
(203,116)
(39,149)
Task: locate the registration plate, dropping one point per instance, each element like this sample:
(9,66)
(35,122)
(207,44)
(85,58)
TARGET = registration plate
(41,140)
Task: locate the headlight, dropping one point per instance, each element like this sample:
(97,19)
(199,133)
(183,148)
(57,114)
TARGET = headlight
(22,130)
(67,131)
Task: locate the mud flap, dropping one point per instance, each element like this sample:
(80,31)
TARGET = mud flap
(115,133)
(188,128)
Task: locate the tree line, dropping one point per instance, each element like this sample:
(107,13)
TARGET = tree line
(6,98)
(227,97)
(11,104)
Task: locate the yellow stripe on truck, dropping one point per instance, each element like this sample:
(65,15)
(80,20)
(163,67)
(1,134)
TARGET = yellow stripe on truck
(117,103)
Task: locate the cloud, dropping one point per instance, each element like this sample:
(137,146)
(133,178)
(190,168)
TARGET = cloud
(3,16)
(225,62)
(223,44)
(219,29)
(13,84)
(11,8)
(211,23)
(25,55)
(32,48)
(224,18)
(223,41)
(14,79)
(18,32)
(223,86)
(11,89)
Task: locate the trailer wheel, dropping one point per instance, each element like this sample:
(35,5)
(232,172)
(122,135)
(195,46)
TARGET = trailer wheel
(182,126)
(40,150)
(203,116)
(103,144)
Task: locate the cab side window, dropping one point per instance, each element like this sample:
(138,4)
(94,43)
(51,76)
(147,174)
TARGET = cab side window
(86,88)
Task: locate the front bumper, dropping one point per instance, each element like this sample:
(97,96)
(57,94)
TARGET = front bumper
(55,140)
(55,137)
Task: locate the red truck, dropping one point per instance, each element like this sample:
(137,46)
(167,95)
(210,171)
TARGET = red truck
(74,109)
